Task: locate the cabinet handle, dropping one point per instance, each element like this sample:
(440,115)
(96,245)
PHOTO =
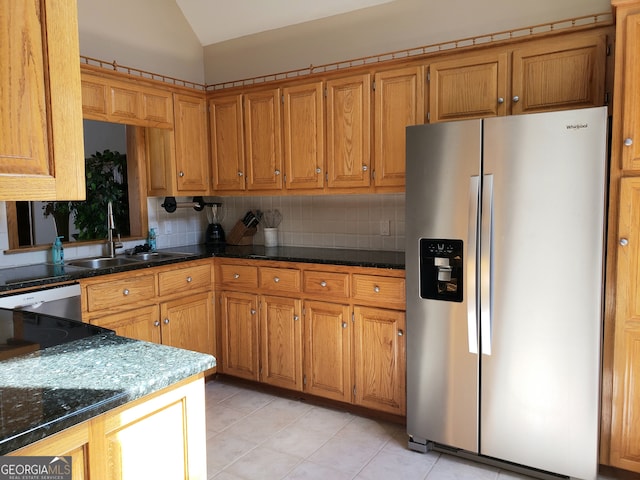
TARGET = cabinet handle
(236,275)
(189,279)
(156,323)
(125,292)
(253,312)
(181,174)
(628,142)
(624,242)
(276,279)
(400,333)
(166,321)
(344,324)
(376,289)
(240,174)
(516,99)
(365,168)
(277,172)
(323,284)
(318,170)
(296,318)
(500,100)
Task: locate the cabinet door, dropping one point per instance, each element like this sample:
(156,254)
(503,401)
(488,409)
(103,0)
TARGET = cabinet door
(159,150)
(281,342)
(263,145)
(41,133)
(327,363)
(141,323)
(227,143)
(123,104)
(349,131)
(468,87)
(304,136)
(629,92)
(156,108)
(399,102)
(625,435)
(239,332)
(192,158)
(380,359)
(559,75)
(188,323)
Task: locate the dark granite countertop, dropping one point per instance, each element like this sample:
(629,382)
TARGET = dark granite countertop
(40,275)
(47,391)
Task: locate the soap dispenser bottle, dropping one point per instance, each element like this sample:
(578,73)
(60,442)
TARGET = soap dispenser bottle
(152,239)
(57,252)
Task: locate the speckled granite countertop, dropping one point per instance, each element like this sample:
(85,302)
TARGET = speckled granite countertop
(47,391)
(30,276)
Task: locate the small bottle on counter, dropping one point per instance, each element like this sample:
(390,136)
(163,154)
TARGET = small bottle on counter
(57,252)
(152,239)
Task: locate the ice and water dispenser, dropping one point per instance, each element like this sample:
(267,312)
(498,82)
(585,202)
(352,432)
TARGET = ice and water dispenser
(441,269)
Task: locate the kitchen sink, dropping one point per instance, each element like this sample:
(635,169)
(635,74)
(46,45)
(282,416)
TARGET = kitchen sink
(156,256)
(102,262)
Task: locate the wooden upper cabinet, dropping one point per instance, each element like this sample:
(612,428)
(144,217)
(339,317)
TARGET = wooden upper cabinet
(159,154)
(41,134)
(303,125)
(263,140)
(192,152)
(468,87)
(559,74)
(399,102)
(227,143)
(349,131)
(626,134)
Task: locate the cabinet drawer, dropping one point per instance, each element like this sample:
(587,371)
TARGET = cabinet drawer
(120,292)
(238,275)
(330,283)
(381,290)
(182,279)
(280,279)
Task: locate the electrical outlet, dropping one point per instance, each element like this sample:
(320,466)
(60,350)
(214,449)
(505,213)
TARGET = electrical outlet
(167,228)
(385,227)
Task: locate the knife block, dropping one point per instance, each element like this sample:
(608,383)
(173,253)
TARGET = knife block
(241,235)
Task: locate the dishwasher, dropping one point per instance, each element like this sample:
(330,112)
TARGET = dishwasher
(62,301)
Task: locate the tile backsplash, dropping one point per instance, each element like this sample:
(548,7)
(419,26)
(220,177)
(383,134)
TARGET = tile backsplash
(332,221)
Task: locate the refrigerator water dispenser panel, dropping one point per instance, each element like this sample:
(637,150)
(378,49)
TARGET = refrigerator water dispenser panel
(441,269)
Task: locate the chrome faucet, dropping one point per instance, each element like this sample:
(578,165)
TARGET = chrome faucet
(111,226)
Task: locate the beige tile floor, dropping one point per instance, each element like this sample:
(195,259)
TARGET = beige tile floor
(253,435)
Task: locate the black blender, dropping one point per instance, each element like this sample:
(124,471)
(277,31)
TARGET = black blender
(215,233)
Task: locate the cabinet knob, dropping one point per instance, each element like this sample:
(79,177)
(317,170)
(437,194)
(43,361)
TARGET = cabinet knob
(156,323)
(624,242)
(276,279)
(125,292)
(166,321)
(318,170)
(240,174)
(516,99)
(323,284)
(500,100)
(376,289)
(628,142)
(236,275)
(365,168)
(277,172)
(181,174)
(189,279)
(344,324)
(253,312)
(400,333)
(296,318)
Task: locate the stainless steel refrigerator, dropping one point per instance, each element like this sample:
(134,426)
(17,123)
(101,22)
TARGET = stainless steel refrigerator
(504,267)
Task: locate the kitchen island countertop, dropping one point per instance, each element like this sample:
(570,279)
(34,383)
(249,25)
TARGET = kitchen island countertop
(44,392)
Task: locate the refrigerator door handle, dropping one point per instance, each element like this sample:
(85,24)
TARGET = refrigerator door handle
(486,244)
(472,254)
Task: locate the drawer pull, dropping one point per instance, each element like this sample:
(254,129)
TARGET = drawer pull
(400,333)
(253,312)
(323,284)
(236,275)
(344,324)
(189,279)
(166,321)
(276,279)
(125,292)
(376,289)
(296,318)
(156,323)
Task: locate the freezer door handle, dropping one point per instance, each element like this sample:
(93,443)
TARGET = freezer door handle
(486,244)
(472,253)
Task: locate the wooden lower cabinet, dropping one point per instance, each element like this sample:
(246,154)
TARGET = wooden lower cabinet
(160,436)
(140,324)
(239,333)
(328,350)
(379,350)
(185,323)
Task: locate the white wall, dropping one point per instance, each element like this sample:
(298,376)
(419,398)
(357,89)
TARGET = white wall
(398,25)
